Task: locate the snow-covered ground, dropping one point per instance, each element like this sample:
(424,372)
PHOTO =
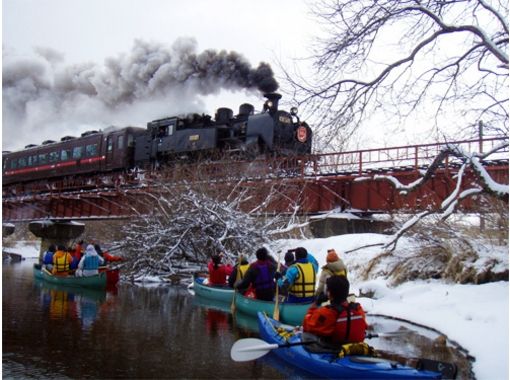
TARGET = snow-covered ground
(474,316)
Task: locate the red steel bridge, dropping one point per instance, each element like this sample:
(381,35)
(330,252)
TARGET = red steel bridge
(358,181)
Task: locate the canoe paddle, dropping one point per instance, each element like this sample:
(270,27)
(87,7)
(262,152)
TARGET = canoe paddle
(238,275)
(276,311)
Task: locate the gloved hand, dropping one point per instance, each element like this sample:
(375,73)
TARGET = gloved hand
(277,275)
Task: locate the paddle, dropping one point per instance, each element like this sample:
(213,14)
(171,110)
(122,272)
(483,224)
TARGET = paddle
(253,348)
(238,275)
(276,311)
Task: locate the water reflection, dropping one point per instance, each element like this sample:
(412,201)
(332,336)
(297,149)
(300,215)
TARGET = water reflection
(137,332)
(63,302)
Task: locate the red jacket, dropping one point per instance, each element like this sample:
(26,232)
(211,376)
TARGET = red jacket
(341,324)
(218,276)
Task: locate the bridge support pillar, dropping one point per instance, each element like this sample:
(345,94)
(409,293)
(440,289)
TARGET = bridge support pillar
(50,232)
(323,228)
(7,229)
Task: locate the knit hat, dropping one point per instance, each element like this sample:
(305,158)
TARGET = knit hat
(289,257)
(332,256)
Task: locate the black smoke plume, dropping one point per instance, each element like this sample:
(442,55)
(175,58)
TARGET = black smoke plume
(42,91)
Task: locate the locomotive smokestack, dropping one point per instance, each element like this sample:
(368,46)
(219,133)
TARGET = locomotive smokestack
(271,103)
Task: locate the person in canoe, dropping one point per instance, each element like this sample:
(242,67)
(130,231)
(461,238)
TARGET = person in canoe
(299,280)
(48,257)
(89,263)
(340,322)
(260,276)
(61,261)
(334,267)
(218,272)
(241,267)
(76,252)
(289,260)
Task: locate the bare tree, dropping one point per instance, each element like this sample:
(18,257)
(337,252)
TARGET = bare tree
(447,60)
(197,214)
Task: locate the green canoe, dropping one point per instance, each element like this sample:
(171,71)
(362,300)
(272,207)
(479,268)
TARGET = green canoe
(94,282)
(216,293)
(290,313)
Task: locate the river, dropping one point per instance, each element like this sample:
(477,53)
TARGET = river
(137,332)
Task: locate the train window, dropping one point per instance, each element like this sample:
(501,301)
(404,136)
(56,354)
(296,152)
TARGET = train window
(91,150)
(109,144)
(53,156)
(65,154)
(130,140)
(29,160)
(120,142)
(14,164)
(34,160)
(43,158)
(22,162)
(77,152)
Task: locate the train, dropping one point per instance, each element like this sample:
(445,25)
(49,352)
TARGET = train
(248,134)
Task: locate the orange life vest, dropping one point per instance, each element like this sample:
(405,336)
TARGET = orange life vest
(340,324)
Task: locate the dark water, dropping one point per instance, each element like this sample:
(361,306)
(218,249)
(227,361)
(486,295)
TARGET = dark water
(133,332)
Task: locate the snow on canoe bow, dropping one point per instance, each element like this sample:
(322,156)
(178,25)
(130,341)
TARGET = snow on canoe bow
(95,282)
(216,293)
(291,313)
(329,365)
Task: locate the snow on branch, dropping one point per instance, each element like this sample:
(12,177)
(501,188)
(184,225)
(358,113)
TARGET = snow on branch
(485,185)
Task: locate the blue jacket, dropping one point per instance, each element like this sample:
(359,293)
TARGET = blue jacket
(48,258)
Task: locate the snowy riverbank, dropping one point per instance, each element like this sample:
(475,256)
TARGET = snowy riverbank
(474,316)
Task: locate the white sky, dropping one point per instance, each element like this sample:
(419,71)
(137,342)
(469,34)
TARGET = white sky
(91,30)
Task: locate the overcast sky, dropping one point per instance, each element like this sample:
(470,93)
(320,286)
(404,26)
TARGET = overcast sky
(66,44)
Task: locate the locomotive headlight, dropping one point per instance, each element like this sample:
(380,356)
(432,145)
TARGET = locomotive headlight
(293,111)
(269,104)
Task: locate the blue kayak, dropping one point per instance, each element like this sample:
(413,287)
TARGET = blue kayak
(329,365)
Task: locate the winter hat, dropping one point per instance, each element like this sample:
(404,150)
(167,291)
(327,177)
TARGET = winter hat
(332,256)
(289,257)
(90,250)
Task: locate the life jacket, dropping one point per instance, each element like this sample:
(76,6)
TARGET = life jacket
(90,262)
(304,285)
(61,261)
(340,323)
(265,274)
(242,270)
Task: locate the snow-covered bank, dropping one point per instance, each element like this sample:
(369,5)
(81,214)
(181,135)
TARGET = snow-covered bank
(474,316)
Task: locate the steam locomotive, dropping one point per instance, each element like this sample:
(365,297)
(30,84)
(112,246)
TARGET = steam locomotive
(272,131)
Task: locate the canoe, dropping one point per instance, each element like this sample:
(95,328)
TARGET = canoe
(291,313)
(216,293)
(90,293)
(95,282)
(329,365)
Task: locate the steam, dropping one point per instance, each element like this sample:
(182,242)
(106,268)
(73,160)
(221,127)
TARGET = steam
(151,81)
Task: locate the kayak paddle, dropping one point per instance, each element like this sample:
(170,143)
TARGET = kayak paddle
(252,348)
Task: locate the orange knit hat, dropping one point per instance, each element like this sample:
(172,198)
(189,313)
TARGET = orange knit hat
(332,256)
